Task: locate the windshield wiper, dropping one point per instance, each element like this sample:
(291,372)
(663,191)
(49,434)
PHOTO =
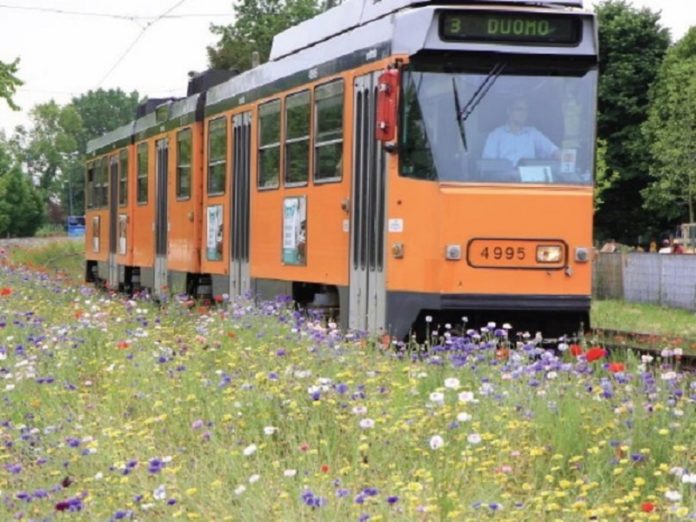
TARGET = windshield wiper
(458,109)
(463,113)
(481,91)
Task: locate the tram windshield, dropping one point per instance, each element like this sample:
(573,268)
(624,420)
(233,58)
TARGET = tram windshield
(499,124)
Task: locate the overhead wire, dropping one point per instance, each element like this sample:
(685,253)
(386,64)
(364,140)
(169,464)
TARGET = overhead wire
(137,39)
(133,18)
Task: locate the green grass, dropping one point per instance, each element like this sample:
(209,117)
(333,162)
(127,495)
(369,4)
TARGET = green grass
(64,256)
(643,318)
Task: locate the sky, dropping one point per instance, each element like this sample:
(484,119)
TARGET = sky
(65,54)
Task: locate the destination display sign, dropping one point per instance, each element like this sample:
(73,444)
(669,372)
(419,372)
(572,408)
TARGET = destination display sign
(525,28)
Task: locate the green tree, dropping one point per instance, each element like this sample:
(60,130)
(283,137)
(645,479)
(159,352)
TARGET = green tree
(671,132)
(99,111)
(605,177)
(21,205)
(50,144)
(255,25)
(632,44)
(53,150)
(9,82)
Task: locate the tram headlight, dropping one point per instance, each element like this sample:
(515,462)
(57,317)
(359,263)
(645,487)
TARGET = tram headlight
(549,254)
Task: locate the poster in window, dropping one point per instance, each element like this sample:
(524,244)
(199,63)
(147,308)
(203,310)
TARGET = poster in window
(95,234)
(214,233)
(122,232)
(295,231)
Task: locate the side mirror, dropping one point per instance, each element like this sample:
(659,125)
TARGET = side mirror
(387,106)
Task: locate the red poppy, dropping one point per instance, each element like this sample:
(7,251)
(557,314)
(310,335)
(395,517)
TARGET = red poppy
(231,335)
(575,350)
(647,507)
(325,468)
(616,367)
(217,299)
(6,291)
(122,345)
(595,353)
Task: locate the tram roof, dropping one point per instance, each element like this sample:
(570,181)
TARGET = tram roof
(407,31)
(167,115)
(111,140)
(354,13)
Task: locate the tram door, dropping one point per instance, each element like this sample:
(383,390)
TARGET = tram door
(161,219)
(241,165)
(113,222)
(367,301)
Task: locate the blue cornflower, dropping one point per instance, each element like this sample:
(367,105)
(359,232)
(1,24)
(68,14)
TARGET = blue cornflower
(155,465)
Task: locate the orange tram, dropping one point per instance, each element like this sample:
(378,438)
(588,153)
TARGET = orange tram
(393,160)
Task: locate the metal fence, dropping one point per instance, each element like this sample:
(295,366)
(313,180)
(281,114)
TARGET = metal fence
(663,279)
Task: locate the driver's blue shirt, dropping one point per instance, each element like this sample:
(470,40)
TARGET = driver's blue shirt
(528,143)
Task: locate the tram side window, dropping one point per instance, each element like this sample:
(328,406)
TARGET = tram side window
(297,120)
(123,178)
(102,183)
(89,193)
(269,144)
(183,164)
(217,155)
(328,131)
(142,173)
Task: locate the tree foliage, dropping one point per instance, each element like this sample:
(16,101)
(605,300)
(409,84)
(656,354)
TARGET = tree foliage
(632,44)
(255,25)
(605,177)
(671,132)
(9,82)
(21,205)
(52,151)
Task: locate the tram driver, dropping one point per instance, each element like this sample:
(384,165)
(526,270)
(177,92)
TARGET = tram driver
(514,141)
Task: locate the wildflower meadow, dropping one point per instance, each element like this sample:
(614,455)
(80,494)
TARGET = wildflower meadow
(124,409)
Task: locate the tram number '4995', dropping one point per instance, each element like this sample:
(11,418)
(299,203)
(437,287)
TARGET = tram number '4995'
(508,253)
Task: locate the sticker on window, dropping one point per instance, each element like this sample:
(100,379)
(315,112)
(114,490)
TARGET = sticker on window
(295,231)
(214,233)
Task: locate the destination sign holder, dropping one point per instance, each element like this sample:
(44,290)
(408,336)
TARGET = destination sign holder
(522,28)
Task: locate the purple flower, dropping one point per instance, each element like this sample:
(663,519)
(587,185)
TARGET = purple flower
(392,500)
(637,457)
(311,500)
(155,466)
(15,469)
(72,505)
